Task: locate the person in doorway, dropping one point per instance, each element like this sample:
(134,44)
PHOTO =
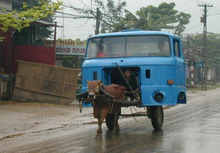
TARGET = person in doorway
(100,52)
(132,82)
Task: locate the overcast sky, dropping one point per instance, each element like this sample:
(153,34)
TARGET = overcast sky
(82,28)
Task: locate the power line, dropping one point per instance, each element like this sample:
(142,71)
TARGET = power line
(188,9)
(79,9)
(194,27)
(74,16)
(194,17)
(216,9)
(194,1)
(215,12)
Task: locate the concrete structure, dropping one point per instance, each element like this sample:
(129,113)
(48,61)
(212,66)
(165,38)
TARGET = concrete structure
(5,5)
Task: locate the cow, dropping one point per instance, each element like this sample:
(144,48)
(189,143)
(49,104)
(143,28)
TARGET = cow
(103,106)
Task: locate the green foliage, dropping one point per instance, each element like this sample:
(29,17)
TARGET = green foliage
(193,47)
(147,18)
(155,18)
(111,13)
(68,63)
(42,32)
(213,50)
(19,20)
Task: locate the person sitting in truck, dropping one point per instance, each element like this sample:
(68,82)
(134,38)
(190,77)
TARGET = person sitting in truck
(132,82)
(162,50)
(100,52)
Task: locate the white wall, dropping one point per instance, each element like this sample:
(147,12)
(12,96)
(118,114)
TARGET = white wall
(5,5)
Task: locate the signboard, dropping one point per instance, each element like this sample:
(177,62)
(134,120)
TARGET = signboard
(68,47)
(200,64)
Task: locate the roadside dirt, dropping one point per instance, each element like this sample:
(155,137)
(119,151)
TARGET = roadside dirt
(19,118)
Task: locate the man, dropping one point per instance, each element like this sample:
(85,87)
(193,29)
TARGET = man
(161,47)
(132,82)
(101,52)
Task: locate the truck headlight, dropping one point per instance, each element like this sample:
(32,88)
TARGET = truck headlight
(158,97)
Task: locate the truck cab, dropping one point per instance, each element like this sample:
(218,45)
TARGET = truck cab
(154,58)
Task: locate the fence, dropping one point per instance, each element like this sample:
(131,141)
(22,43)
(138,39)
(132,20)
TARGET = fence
(45,83)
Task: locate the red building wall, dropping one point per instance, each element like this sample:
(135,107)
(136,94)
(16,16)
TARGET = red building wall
(39,54)
(5,52)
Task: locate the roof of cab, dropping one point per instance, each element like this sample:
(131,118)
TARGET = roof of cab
(134,32)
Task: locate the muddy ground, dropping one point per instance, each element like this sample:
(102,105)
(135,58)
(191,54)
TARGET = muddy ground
(28,119)
(18,118)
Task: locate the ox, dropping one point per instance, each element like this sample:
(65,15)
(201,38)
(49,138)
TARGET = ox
(102,105)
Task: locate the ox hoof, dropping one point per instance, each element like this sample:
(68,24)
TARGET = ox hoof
(99,132)
(98,135)
(117,128)
(113,132)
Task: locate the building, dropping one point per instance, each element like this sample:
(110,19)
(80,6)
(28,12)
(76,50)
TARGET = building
(24,45)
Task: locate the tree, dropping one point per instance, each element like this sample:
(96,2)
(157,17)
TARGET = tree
(193,50)
(193,46)
(128,22)
(108,13)
(11,21)
(112,14)
(155,18)
(41,31)
(213,50)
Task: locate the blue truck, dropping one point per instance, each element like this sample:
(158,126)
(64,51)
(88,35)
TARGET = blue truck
(155,60)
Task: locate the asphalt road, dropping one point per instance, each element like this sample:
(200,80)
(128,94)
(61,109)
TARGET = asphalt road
(190,128)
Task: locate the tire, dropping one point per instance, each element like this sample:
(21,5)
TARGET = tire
(157,117)
(110,121)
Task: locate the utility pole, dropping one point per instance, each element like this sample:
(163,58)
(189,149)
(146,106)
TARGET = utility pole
(191,64)
(204,53)
(98,17)
(63,36)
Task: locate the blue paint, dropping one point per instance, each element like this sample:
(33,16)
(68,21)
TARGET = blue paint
(162,68)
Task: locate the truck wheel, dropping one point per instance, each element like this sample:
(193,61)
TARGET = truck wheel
(156,114)
(110,121)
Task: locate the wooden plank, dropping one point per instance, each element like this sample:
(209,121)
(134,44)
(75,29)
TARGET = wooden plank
(73,95)
(45,81)
(134,114)
(122,102)
(30,96)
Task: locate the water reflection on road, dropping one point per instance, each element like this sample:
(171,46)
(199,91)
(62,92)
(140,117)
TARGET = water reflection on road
(122,142)
(193,128)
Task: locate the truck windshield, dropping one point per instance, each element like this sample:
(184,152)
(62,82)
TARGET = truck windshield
(128,46)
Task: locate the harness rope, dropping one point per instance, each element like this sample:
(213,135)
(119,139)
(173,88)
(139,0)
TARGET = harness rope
(127,83)
(111,105)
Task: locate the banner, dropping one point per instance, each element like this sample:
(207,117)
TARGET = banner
(68,47)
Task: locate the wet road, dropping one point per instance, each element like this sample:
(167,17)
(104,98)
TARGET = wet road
(191,128)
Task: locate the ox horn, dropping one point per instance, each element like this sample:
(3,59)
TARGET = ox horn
(100,81)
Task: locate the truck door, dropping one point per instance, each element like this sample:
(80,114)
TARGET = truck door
(180,64)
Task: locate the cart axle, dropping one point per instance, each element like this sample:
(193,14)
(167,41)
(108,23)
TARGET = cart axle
(134,115)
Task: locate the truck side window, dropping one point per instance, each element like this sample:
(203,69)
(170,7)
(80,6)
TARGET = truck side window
(177,48)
